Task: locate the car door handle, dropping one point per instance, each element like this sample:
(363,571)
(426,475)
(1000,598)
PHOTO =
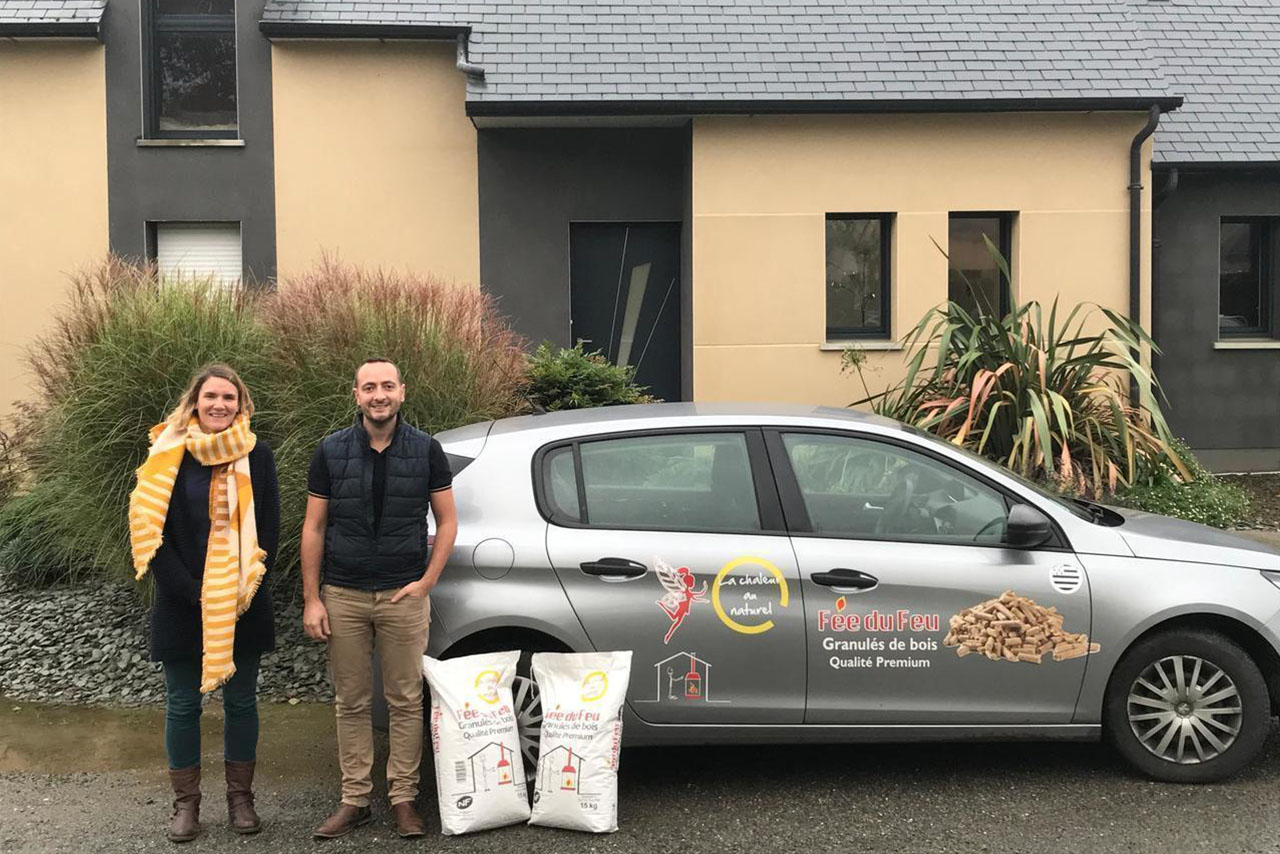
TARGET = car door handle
(613,567)
(840,577)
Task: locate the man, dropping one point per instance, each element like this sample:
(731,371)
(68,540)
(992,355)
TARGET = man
(366,523)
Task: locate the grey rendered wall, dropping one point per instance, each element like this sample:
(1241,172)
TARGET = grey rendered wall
(534,182)
(190,183)
(1225,403)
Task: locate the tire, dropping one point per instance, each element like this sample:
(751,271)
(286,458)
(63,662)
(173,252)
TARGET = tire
(528,707)
(1156,715)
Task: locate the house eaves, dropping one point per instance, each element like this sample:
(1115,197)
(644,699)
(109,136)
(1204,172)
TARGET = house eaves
(63,19)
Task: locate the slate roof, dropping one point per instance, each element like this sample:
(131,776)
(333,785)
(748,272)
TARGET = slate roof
(591,51)
(1223,56)
(51,17)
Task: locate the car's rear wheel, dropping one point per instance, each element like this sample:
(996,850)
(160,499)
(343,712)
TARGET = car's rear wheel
(1187,707)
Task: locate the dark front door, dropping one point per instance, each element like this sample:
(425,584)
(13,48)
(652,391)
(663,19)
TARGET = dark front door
(624,283)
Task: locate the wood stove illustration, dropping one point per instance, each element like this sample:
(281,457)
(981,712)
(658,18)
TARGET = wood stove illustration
(569,776)
(692,684)
(682,677)
(560,770)
(504,768)
(485,769)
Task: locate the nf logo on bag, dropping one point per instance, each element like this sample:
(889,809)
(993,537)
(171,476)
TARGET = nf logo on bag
(464,802)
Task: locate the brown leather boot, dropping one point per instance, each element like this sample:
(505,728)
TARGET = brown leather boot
(240,811)
(345,819)
(408,822)
(185,824)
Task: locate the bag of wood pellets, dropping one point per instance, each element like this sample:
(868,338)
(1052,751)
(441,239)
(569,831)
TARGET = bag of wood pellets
(480,780)
(577,780)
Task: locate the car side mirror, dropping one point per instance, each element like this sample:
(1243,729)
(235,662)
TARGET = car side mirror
(1027,527)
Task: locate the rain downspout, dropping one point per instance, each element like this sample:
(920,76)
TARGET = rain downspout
(465,65)
(1135,229)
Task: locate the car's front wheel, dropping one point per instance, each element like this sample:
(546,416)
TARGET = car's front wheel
(1188,706)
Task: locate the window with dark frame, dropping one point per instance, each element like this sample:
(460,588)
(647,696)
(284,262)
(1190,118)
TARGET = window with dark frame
(974,279)
(1246,277)
(858,253)
(676,481)
(191,69)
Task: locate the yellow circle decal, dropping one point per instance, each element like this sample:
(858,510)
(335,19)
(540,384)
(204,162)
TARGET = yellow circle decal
(594,685)
(729,567)
(487,686)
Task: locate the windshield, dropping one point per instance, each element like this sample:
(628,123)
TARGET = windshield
(1073,507)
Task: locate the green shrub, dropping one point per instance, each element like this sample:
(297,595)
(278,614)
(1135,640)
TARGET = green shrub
(126,345)
(1200,498)
(1207,500)
(115,362)
(459,360)
(1046,399)
(572,378)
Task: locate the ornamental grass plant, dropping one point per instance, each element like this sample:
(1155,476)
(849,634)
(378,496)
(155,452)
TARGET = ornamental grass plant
(114,363)
(1040,395)
(460,362)
(125,345)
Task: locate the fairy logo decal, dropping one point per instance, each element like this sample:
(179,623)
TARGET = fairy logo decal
(680,595)
(752,586)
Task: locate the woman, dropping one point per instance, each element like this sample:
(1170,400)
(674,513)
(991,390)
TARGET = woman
(205,518)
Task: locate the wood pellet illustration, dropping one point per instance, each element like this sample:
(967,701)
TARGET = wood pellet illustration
(1015,628)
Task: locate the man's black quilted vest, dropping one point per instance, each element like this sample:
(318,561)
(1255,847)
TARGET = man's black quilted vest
(355,555)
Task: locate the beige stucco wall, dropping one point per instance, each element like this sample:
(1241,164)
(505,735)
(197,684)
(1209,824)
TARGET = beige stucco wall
(53,187)
(375,158)
(762,187)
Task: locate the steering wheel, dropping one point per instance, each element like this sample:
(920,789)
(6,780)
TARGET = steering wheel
(999,520)
(899,502)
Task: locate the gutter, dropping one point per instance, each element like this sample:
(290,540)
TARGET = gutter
(50,30)
(277,30)
(712,106)
(308,30)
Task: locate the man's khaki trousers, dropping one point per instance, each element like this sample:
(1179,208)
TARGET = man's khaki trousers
(357,620)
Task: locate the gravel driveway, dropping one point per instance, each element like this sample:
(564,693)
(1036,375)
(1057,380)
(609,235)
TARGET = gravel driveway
(92,780)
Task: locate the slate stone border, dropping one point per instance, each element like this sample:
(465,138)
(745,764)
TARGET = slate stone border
(87,645)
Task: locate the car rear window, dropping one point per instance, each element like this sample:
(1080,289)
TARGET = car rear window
(687,482)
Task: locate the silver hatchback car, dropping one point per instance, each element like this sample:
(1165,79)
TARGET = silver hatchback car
(808,574)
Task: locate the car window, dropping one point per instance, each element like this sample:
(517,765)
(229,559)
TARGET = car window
(863,488)
(699,482)
(1066,504)
(560,482)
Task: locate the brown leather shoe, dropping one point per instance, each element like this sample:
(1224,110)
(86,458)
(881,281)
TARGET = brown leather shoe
(185,824)
(344,820)
(408,822)
(240,811)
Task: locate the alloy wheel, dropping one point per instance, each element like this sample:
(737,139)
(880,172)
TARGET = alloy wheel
(528,721)
(1185,709)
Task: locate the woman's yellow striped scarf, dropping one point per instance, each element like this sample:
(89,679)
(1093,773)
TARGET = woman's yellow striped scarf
(233,564)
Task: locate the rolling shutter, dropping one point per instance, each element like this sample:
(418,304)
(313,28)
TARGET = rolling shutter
(199,249)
